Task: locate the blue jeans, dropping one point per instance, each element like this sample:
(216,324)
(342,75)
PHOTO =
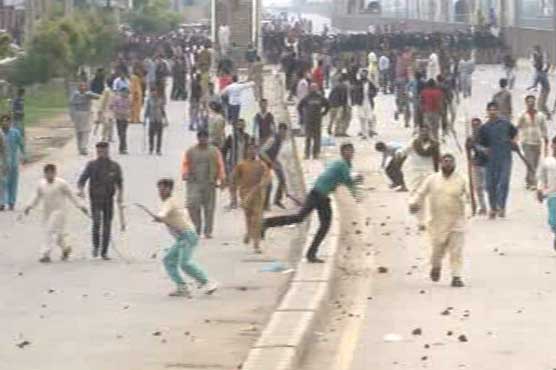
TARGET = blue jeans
(12,177)
(498,174)
(551,204)
(180,254)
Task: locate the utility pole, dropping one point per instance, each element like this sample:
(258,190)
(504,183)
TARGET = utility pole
(29,19)
(554,32)
(68,7)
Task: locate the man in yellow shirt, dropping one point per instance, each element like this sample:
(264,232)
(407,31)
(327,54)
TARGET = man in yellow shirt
(181,253)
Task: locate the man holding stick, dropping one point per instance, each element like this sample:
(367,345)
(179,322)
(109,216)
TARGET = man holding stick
(105,180)
(181,253)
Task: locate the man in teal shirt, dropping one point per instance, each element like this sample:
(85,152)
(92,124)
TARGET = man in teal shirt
(14,145)
(338,173)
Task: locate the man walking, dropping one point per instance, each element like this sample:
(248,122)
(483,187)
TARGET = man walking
(497,138)
(181,253)
(121,109)
(478,164)
(503,99)
(363,93)
(14,146)
(445,193)
(53,191)
(203,171)
(432,100)
(532,134)
(105,180)
(251,177)
(270,152)
(312,108)
(18,111)
(235,150)
(340,110)
(263,124)
(338,173)
(155,114)
(80,113)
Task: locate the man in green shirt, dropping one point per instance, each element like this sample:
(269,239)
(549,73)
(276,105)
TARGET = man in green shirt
(338,173)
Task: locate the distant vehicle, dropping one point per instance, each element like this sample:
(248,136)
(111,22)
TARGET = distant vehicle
(374,7)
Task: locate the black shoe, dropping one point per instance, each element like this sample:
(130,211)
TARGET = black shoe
(95,252)
(314,260)
(105,257)
(457,282)
(435,274)
(2,208)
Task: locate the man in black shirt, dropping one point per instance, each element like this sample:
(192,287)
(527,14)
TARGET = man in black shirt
(312,108)
(104,177)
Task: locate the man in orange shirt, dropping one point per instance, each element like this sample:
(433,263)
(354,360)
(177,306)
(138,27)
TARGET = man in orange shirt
(251,177)
(203,171)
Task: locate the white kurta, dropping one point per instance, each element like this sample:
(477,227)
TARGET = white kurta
(54,198)
(446,196)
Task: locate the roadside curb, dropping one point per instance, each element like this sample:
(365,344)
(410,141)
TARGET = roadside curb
(287,333)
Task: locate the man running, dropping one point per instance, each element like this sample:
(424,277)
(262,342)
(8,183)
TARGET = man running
(181,253)
(53,191)
(445,192)
(338,173)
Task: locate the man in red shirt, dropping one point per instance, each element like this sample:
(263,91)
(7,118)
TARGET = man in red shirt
(431,106)
(318,75)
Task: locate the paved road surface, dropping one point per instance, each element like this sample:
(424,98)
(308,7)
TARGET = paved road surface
(90,315)
(505,311)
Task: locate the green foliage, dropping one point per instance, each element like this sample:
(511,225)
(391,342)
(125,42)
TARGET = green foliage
(153,17)
(60,46)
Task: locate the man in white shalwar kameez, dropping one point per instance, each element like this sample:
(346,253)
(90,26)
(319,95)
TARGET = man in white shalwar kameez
(53,192)
(445,192)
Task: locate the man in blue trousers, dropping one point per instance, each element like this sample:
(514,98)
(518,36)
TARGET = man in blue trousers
(14,146)
(497,140)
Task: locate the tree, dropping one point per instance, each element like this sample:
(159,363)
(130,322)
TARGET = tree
(60,46)
(153,17)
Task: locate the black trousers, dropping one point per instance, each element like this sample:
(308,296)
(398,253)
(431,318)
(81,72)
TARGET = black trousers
(102,211)
(314,200)
(313,133)
(122,124)
(394,171)
(279,171)
(155,132)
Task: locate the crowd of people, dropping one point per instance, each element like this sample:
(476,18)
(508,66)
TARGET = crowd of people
(244,156)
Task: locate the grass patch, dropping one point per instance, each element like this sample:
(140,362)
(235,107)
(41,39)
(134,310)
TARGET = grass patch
(42,103)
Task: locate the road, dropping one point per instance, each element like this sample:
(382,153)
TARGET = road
(505,310)
(89,314)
